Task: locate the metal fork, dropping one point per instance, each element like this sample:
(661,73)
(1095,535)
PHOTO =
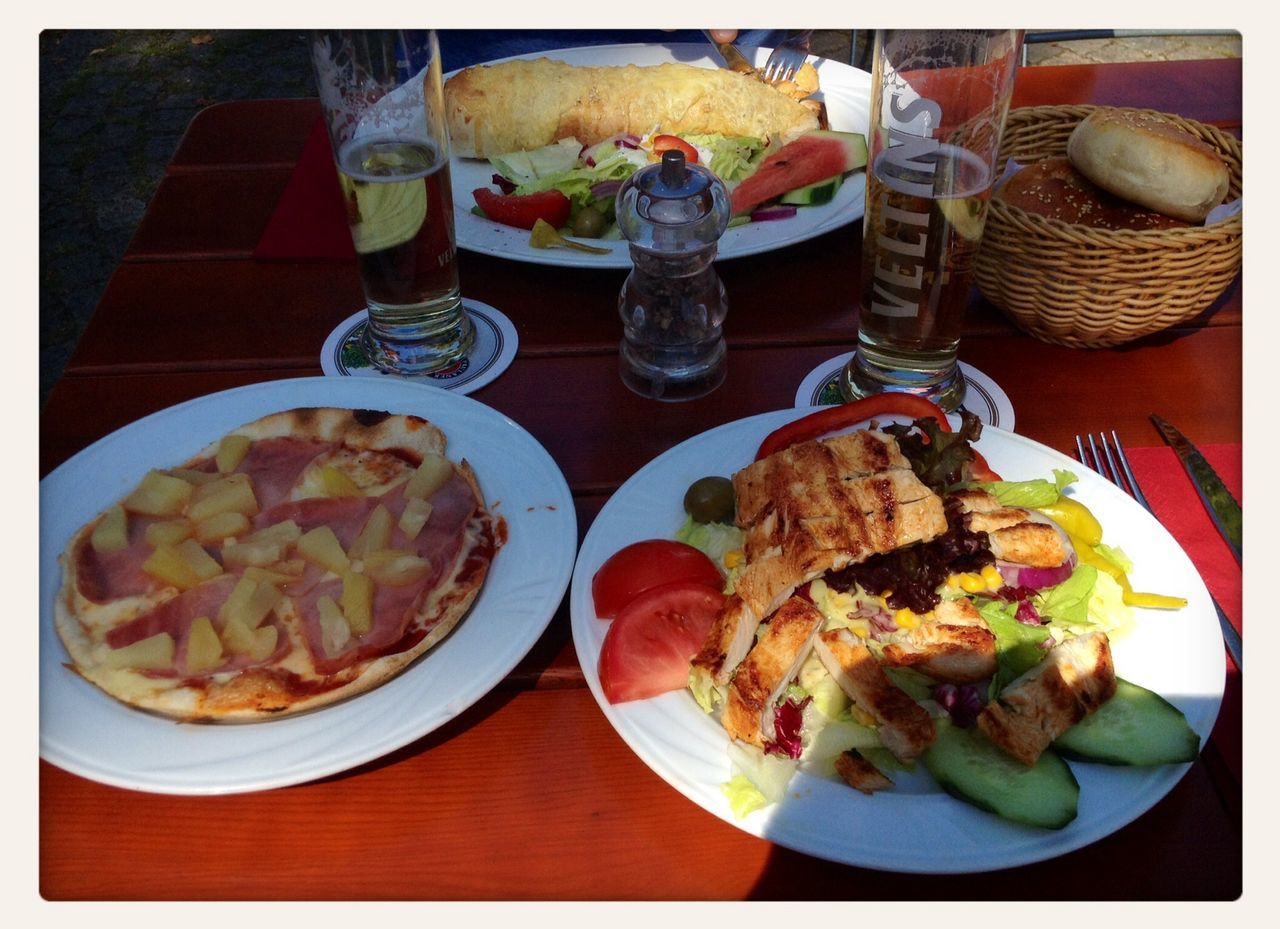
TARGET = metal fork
(788,58)
(1109,460)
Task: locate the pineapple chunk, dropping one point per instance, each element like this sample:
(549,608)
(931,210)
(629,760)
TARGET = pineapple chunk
(159,495)
(184,565)
(168,532)
(149,654)
(195,478)
(112,532)
(249,603)
(286,533)
(221,526)
(258,644)
(321,547)
(334,631)
(231,494)
(252,553)
(335,483)
(278,572)
(430,476)
(357,601)
(395,567)
(202,563)
(231,451)
(204,648)
(376,533)
(416,513)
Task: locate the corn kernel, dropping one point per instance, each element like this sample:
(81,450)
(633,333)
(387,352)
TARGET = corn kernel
(953,581)
(861,631)
(732,559)
(861,716)
(972,583)
(906,619)
(991,574)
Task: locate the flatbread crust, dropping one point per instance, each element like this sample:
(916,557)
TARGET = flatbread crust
(379,451)
(525,104)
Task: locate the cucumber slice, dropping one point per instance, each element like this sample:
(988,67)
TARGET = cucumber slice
(1134,727)
(814,194)
(971,768)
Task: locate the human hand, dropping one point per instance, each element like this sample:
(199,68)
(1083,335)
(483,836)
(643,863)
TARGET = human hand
(723,35)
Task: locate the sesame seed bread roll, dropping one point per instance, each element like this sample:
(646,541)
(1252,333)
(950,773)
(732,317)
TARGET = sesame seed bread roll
(1052,187)
(1150,161)
(525,104)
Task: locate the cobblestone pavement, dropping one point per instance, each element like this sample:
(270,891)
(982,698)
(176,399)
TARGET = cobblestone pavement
(114,105)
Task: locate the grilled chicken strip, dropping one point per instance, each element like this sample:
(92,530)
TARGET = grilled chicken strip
(809,509)
(1015,534)
(767,670)
(1075,678)
(905,727)
(955,646)
(859,773)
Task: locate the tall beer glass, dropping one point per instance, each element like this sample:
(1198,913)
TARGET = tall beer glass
(383,100)
(938,104)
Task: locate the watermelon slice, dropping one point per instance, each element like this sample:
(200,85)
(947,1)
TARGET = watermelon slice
(815,156)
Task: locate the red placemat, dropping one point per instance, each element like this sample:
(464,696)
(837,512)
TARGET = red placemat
(309,221)
(1178,507)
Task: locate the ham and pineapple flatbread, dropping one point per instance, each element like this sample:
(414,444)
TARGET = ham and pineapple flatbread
(306,557)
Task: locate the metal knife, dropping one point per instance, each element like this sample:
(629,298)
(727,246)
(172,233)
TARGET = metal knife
(734,59)
(1222,507)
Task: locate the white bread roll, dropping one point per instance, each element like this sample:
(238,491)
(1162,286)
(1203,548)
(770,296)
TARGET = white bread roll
(1149,161)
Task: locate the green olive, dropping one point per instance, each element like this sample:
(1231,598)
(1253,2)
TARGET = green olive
(710,500)
(588,223)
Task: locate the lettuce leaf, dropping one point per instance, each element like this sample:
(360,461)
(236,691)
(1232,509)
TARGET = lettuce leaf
(731,156)
(1031,494)
(1019,647)
(1068,602)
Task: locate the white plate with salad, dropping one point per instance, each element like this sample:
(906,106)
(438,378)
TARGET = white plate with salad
(913,826)
(845,91)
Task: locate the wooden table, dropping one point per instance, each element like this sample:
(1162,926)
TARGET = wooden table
(530,794)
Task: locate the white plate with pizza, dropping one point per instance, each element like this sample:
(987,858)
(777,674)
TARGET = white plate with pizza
(521,502)
(845,90)
(916,827)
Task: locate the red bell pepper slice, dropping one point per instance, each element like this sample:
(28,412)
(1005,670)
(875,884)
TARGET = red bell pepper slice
(842,416)
(662,143)
(523,210)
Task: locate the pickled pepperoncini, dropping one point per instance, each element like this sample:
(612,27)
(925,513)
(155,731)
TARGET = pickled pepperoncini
(1088,555)
(1075,518)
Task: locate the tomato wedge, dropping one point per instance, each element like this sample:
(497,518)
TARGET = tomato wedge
(523,210)
(647,649)
(632,570)
(662,143)
(844,415)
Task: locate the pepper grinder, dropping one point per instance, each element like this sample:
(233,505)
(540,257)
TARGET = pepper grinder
(673,303)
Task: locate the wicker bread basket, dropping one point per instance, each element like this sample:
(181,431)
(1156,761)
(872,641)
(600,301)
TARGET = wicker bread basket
(1093,288)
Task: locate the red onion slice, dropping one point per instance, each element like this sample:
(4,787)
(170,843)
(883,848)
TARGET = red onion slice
(1020,575)
(767,213)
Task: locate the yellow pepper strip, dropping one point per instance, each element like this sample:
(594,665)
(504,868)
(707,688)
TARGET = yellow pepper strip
(1075,518)
(1086,555)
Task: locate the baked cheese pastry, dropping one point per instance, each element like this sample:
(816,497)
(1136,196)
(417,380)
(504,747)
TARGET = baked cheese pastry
(306,557)
(526,104)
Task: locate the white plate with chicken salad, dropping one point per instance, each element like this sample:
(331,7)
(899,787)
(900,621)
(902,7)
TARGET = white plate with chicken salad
(911,657)
(589,175)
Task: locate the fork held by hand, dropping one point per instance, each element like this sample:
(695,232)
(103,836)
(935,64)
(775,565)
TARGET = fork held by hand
(1109,460)
(788,58)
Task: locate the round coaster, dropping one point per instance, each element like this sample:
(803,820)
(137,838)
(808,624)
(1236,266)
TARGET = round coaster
(491,352)
(984,397)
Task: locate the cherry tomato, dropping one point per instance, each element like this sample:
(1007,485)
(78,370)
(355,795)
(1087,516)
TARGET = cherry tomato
(632,570)
(843,415)
(662,143)
(523,210)
(647,649)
